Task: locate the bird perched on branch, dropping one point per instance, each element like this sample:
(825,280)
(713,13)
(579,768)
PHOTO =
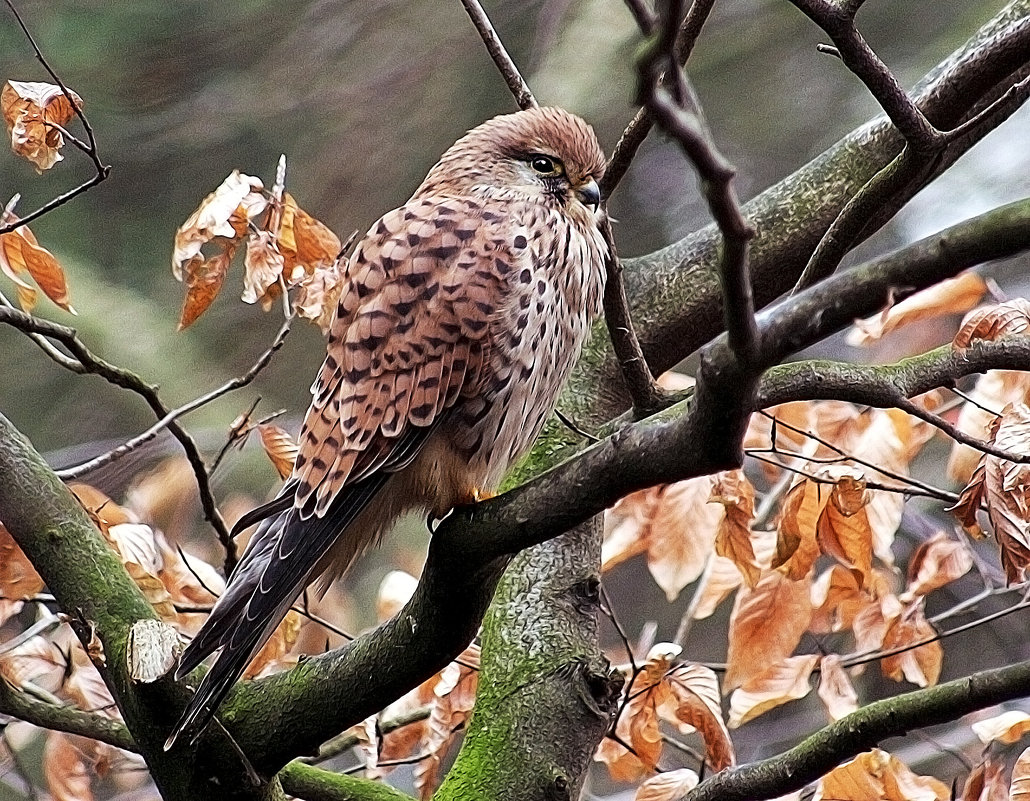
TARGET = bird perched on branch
(461,316)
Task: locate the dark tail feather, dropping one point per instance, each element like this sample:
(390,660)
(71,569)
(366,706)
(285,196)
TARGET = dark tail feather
(277,564)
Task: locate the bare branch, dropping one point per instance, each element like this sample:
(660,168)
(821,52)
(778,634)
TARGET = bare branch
(516,83)
(126,379)
(79,470)
(639,127)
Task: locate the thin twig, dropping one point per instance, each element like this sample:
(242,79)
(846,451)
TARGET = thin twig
(639,127)
(103,170)
(516,83)
(125,379)
(646,395)
(79,470)
(958,434)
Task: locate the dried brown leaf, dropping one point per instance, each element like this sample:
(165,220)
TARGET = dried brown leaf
(994,322)
(223,214)
(674,524)
(21,254)
(307,244)
(986,782)
(785,680)
(668,786)
(280,447)
(920,665)
(994,390)
(843,531)
(31,110)
(695,704)
(66,768)
(878,776)
(1008,727)
(836,599)
(733,538)
(18,578)
(936,562)
(766,625)
(719,579)
(264,267)
(1020,788)
(954,296)
(796,544)
(835,688)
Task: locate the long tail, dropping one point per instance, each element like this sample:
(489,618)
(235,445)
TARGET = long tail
(279,561)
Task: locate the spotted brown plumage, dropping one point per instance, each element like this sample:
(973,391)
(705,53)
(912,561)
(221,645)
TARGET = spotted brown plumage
(462,314)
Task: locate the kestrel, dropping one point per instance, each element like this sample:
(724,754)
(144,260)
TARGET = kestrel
(462,314)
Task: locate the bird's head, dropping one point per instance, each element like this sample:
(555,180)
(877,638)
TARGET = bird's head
(542,154)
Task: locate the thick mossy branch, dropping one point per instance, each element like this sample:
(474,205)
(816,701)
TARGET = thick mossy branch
(92,587)
(314,784)
(862,730)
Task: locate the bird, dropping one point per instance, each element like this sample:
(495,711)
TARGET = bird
(461,315)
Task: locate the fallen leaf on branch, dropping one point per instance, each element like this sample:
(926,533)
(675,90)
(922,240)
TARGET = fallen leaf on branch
(31,110)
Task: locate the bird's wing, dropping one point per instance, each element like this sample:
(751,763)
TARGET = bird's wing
(411,336)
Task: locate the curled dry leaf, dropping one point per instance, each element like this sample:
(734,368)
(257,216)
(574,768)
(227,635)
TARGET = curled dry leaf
(222,219)
(38,660)
(1003,487)
(319,294)
(18,578)
(879,776)
(796,544)
(31,111)
(783,681)
(994,322)
(668,786)
(308,245)
(263,266)
(754,644)
(920,665)
(20,255)
(836,600)
(719,579)
(674,524)
(1008,727)
(733,537)
(843,530)
(835,688)
(936,562)
(280,447)
(986,782)
(954,296)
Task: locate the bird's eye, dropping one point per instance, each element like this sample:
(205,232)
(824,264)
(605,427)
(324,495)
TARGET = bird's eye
(545,165)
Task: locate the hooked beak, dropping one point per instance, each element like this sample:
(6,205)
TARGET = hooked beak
(589,193)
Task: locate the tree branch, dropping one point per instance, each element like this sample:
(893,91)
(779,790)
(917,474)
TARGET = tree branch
(505,65)
(862,730)
(126,379)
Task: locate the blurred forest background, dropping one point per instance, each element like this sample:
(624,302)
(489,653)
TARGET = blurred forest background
(362,97)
